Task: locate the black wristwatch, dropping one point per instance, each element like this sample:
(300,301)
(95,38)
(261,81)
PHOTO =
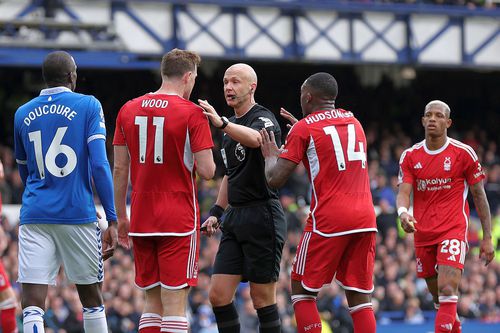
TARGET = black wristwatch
(225,122)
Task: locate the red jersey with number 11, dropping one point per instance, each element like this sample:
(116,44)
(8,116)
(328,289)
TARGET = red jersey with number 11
(161,133)
(440,180)
(332,146)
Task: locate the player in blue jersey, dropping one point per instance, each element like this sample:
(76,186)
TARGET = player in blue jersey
(60,141)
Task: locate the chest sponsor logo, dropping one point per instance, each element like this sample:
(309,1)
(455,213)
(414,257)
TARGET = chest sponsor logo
(433,184)
(239,152)
(447,164)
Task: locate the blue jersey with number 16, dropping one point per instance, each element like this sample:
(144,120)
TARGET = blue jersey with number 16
(52,133)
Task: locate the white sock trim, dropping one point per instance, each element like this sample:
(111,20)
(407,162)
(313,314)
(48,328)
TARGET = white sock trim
(174,324)
(448,299)
(299,298)
(33,313)
(149,320)
(360,307)
(9,303)
(94,313)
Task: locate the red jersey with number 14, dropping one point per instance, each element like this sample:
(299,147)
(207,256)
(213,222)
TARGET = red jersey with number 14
(440,180)
(332,146)
(162,132)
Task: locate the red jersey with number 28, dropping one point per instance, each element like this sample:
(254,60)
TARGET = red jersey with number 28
(161,133)
(440,180)
(332,146)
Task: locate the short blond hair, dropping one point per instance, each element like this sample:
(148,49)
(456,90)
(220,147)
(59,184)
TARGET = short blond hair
(438,103)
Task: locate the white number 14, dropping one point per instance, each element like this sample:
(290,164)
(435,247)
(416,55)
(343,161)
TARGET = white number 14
(351,143)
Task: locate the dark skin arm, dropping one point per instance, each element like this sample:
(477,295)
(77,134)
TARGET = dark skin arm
(278,170)
(486,252)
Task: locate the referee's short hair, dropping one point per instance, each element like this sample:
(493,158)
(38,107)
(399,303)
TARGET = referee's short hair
(323,84)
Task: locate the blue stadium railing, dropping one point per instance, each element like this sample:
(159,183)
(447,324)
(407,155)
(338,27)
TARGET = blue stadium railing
(108,53)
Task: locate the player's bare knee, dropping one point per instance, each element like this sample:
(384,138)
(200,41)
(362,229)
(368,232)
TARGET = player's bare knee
(447,290)
(261,298)
(218,298)
(28,299)
(90,295)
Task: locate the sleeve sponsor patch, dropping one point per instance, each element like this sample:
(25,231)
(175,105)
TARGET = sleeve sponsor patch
(267,122)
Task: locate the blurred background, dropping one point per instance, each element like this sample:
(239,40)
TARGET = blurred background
(389,57)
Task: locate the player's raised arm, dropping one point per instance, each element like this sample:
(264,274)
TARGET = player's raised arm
(243,134)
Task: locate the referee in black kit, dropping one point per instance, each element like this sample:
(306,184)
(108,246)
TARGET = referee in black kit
(254,229)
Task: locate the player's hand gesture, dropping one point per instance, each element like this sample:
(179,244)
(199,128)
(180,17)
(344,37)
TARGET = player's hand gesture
(109,241)
(486,251)
(288,116)
(210,113)
(210,226)
(408,223)
(268,145)
(123,227)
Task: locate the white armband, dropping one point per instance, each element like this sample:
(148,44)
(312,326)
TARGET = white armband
(402,210)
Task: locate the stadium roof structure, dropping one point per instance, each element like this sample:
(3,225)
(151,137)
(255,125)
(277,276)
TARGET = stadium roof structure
(134,34)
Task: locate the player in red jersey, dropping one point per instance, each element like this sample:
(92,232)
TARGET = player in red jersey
(440,171)
(8,301)
(164,139)
(339,237)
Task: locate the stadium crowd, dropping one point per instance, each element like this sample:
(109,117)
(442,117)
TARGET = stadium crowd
(398,295)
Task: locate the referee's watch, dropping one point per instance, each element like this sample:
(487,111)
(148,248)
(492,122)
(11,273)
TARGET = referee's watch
(225,122)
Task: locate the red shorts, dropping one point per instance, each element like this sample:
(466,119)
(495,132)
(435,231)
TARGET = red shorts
(169,261)
(448,252)
(348,258)
(4,278)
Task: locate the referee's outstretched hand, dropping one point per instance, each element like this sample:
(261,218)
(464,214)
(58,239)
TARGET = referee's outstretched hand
(210,226)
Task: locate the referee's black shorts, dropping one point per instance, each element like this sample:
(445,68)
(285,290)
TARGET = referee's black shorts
(252,242)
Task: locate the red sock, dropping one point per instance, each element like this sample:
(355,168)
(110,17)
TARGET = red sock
(150,323)
(306,314)
(363,318)
(8,319)
(446,314)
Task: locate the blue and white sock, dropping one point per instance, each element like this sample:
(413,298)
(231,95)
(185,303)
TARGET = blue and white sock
(33,320)
(94,320)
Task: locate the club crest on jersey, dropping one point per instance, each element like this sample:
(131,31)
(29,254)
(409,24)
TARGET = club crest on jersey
(239,152)
(447,164)
(421,185)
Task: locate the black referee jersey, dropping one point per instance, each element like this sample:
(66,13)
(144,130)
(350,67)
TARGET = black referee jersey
(245,166)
